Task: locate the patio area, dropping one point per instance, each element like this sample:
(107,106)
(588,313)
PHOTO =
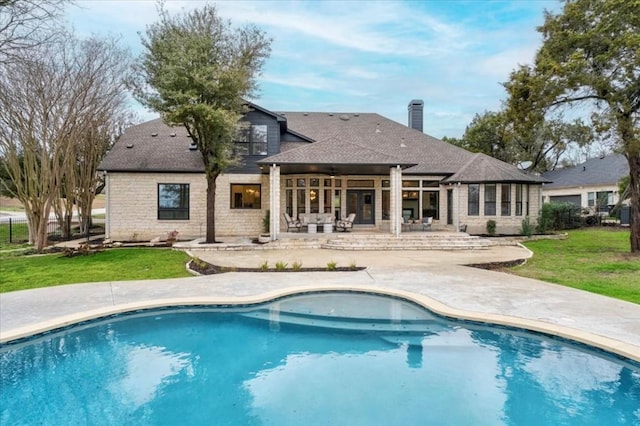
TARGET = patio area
(434,279)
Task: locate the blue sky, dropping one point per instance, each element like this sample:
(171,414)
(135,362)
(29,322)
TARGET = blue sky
(365,56)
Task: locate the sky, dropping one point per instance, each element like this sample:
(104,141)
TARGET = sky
(363,56)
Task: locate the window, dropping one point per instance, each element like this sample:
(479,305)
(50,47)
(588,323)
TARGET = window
(473,206)
(519,199)
(354,183)
(173,201)
(604,200)
(591,199)
(252,140)
(430,184)
(327,201)
(505,200)
(386,205)
(300,201)
(245,196)
(430,201)
(490,199)
(289,202)
(314,200)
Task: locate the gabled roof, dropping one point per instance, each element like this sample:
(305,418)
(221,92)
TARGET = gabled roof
(153,147)
(607,170)
(483,168)
(347,143)
(372,138)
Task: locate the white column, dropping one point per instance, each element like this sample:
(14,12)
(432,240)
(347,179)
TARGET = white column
(456,211)
(395,177)
(107,211)
(274,202)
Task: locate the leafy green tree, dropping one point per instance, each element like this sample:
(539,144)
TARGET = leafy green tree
(196,71)
(590,57)
(535,133)
(489,133)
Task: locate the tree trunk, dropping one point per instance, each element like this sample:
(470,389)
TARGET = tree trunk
(211,208)
(634,189)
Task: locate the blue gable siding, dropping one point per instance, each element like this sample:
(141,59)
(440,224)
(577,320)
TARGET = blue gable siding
(290,137)
(273,141)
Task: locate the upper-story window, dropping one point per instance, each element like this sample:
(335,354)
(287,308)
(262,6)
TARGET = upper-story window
(252,140)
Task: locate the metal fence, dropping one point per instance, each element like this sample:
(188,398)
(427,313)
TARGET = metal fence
(15,230)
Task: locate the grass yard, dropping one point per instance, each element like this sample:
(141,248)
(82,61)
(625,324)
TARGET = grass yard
(19,232)
(25,272)
(591,259)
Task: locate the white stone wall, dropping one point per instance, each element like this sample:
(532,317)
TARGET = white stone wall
(504,224)
(132,206)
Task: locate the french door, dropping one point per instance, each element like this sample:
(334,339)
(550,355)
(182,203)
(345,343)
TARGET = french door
(362,203)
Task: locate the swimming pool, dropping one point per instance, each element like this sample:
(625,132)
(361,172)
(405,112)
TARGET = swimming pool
(313,359)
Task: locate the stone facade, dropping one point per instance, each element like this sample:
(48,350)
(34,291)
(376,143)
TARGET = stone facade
(141,223)
(511,224)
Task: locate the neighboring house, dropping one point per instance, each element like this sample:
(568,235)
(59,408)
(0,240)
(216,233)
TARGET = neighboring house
(592,185)
(311,163)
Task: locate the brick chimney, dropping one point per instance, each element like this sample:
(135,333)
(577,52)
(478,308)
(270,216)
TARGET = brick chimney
(415,108)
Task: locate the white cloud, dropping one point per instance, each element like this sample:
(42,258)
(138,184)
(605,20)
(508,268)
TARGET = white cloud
(370,56)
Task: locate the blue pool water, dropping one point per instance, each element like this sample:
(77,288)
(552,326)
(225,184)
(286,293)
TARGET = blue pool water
(317,359)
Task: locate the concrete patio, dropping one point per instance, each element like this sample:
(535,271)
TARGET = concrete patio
(435,279)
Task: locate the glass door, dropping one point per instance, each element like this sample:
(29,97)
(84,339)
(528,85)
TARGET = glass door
(362,203)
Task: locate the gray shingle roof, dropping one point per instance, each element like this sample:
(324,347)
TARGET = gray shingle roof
(139,150)
(483,168)
(606,170)
(370,138)
(350,141)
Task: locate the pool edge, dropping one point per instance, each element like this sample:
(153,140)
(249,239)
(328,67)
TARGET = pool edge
(607,344)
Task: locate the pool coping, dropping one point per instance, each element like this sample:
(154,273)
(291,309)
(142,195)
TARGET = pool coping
(607,344)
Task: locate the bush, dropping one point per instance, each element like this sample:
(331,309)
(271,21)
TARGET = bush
(558,217)
(527,227)
(266,222)
(491,227)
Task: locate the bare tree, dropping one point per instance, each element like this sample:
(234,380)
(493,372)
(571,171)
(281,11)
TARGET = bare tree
(26,24)
(101,70)
(51,99)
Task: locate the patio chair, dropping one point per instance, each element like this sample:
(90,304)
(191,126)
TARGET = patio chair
(292,223)
(426,223)
(344,224)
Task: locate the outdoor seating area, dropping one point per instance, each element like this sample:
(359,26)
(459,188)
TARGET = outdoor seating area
(344,224)
(292,224)
(409,225)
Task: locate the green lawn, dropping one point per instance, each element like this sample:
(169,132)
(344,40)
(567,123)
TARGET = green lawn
(591,259)
(19,232)
(25,272)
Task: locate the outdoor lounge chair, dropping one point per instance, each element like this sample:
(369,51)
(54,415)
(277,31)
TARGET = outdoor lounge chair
(426,223)
(292,223)
(344,224)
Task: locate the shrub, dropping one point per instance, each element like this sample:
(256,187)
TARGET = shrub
(266,225)
(264,266)
(296,266)
(558,216)
(352,265)
(281,266)
(491,227)
(527,227)
(331,266)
